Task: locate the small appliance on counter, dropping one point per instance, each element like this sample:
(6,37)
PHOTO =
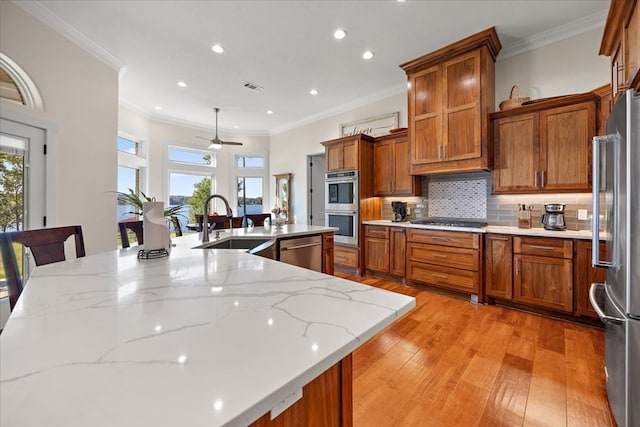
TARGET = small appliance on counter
(399,211)
(553,218)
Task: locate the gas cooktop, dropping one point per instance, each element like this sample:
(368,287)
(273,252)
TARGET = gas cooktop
(449,223)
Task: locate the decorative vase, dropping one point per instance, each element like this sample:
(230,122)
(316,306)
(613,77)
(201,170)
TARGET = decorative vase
(279,221)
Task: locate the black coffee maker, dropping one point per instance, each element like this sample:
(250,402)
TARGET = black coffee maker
(399,211)
(553,218)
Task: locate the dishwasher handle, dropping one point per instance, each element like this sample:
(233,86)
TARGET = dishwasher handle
(288,248)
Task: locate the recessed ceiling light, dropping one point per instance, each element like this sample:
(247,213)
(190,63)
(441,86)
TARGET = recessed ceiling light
(217,48)
(157,107)
(182,84)
(236,126)
(314,91)
(368,55)
(340,34)
(269,112)
(401,1)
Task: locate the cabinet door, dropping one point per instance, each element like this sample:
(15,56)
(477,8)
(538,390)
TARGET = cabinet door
(585,275)
(350,156)
(425,114)
(397,258)
(403,181)
(631,44)
(544,282)
(383,168)
(516,153)
(461,108)
(565,146)
(499,266)
(376,254)
(334,157)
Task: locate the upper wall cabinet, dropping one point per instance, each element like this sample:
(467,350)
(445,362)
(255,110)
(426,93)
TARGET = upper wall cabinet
(451,92)
(621,41)
(545,146)
(391,167)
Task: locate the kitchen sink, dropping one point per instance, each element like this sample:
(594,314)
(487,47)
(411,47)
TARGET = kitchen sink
(234,243)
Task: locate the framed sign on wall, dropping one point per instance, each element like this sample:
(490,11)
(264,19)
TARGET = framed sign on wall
(373,126)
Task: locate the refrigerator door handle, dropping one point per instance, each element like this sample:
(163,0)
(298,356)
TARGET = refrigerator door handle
(595,235)
(603,317)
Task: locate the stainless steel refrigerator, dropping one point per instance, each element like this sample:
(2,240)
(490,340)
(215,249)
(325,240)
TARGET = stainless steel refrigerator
(616,220)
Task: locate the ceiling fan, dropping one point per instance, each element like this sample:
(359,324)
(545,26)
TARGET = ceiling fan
(217,143)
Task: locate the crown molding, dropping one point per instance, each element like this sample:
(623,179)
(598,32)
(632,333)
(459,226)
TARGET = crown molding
(571,29)
(360,102)
(36,9)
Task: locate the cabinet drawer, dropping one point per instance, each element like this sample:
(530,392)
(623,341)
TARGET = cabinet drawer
(376,231)
(457,239)
(543,246)
(466,259)
(450,278)
(345,256)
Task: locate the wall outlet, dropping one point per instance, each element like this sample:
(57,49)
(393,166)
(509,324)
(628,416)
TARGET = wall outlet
(583,215)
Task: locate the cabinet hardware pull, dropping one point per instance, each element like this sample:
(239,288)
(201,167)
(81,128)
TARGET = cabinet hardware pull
(535,183)
(547,248)
(439,256)
(439,152)
(439,238)
(517,267)
(543,176)
(439,276)
(444,152)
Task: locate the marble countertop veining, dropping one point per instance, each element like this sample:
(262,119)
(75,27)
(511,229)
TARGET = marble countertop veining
(498,229)
(199,338)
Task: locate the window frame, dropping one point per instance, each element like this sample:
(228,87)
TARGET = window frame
(251,172)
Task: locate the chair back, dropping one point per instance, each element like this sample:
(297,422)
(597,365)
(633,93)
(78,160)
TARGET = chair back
(220,221)
(46,246)
(135,227)
(258,219)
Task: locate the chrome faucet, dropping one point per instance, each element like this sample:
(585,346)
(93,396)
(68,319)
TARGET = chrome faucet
(205,228)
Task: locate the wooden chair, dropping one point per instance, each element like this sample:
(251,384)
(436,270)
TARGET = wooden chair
(135,227)
(46,246)
(220,221)
(258,219)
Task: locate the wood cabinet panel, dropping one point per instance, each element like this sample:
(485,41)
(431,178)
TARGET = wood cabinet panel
(447,238)
(565,146)
(543,246)
(350,156)
(544,281)
(450,278)
(345,256)
(585,275)
(327,254)
(397,257)
(466,259)
(404,183)
(383,170)
(376,254)
(517,157)
(342,155)
(451,92)
(498,281)
(380,232)
(391,167)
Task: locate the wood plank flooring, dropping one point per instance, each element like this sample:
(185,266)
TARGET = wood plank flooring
(453,363)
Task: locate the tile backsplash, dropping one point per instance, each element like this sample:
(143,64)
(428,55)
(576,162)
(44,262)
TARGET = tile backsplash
(468,196)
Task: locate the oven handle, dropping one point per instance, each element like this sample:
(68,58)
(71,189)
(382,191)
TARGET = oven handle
(346,212)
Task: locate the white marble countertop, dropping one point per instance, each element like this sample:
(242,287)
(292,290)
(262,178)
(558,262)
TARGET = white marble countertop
(499,229)
(199,338)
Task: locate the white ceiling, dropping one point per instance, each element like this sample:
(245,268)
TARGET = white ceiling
(288,48)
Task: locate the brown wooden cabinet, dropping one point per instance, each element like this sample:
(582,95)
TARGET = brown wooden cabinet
(385,249)
(585,275)
(621,41)
(498,270)
(342,155)
(605,104)
(451,91)
(446,259)
(327,253)
(545,147)
(391,166)
(543,272)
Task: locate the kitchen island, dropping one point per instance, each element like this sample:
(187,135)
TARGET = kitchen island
(201,337)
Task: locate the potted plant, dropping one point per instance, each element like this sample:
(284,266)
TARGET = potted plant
(136,200)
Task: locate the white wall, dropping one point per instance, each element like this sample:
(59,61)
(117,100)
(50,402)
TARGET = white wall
(80,95)
(565,67)
(157,136)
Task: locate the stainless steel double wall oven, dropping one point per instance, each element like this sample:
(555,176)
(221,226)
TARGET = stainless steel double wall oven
(342,205)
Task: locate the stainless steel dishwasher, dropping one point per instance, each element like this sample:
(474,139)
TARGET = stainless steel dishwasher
(302,251)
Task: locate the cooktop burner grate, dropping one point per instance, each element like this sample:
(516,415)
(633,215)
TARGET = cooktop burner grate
(449,223)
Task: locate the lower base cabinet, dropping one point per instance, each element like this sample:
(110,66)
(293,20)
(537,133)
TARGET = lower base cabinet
(327,401)
(498,271)
(385,249)
(327,253)
(585,275)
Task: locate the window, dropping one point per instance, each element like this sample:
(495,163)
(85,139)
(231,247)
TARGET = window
(250,184)
(127,145)
(130,166)
(191,181)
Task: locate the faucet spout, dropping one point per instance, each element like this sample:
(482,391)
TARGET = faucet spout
(205,228)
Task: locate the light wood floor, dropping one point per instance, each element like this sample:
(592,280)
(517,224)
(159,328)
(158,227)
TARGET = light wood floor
(452,363)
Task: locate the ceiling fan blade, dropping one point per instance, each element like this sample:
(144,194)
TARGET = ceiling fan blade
(202,137)
(231,143)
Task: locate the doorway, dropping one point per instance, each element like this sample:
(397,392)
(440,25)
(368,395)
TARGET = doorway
(316,167)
